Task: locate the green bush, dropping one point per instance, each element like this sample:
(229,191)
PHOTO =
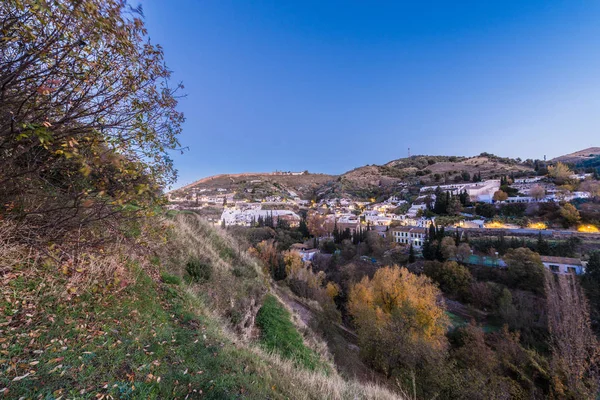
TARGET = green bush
(279,334)
(170,279)
(199,270)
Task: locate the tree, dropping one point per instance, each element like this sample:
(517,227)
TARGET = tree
(88,118)
(525,269)
(316,224)
(570,215)
(400,324)
(463,252)
(266,252)
(293,262)
(537,192)
(303,228)
(332,289)
(375,243)
(591,186)
(542,246)
(500,195)
(454,206)
(453,278)
(448,247)
(411,254)
(560,173)
(591,283)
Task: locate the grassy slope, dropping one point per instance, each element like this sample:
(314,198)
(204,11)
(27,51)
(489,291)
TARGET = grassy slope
(147,340)
(279,334)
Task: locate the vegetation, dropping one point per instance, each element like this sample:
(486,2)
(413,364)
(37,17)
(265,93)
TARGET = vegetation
(400,325)
(277,333)
(88,116)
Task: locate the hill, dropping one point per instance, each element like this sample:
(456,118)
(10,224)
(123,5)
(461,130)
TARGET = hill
(579,156)
(178,320)
(382,180)
(360,183)
(247,185)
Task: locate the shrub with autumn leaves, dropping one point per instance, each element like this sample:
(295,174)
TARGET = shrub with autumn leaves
(87,116)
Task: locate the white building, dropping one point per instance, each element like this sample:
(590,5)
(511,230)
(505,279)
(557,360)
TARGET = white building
(246,217)
(563,265)
(409,235)
(477,191)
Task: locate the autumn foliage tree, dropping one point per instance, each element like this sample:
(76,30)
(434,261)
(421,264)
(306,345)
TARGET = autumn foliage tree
(570,215)
(316,224)
(87,116)
(500,195)
(400,322)
(560,173)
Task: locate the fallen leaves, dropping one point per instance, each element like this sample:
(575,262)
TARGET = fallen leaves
(18,378)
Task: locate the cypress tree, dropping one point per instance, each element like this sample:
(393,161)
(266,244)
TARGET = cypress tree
(411,254)
(432,232)
(542,246)
(441,233)
(336,233)
(303,228)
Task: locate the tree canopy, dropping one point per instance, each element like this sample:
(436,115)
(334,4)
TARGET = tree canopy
(400,322)
(87,116)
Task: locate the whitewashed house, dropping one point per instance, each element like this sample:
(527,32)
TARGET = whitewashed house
(409,235)
(563,265)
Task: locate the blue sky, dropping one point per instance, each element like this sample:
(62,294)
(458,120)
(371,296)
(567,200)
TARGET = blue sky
(332,85)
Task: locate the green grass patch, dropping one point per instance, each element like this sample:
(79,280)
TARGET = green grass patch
(279,334)
(120,345)
(170,279)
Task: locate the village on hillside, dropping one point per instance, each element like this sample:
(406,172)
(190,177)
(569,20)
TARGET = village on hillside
(525,206)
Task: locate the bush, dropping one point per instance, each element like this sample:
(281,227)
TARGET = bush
(199,270)
(170,279)
(453,278)
(328,247)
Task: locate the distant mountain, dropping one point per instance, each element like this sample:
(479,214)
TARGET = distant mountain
(579,156)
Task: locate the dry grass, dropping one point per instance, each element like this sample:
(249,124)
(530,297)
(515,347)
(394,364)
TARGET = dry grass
(194,237)
(302,384)
(41,283)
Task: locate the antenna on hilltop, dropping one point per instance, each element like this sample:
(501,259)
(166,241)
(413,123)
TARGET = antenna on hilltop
(409,152)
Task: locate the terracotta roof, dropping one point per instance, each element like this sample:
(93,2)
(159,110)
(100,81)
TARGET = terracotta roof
(561,260)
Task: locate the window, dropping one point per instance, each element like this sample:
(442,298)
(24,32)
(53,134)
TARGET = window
(554,268)
(571,270)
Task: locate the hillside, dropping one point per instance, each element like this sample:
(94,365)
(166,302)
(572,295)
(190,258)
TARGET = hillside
(579,156)
(265,184)
(131,323)
(381,180)
(360,183)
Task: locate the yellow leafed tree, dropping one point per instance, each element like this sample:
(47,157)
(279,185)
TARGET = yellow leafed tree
(400,322)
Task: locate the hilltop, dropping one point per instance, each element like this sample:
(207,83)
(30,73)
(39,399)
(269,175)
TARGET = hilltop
(579,156)
(377,180)
(284,184)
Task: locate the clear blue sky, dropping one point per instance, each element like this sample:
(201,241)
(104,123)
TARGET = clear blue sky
(331,85)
